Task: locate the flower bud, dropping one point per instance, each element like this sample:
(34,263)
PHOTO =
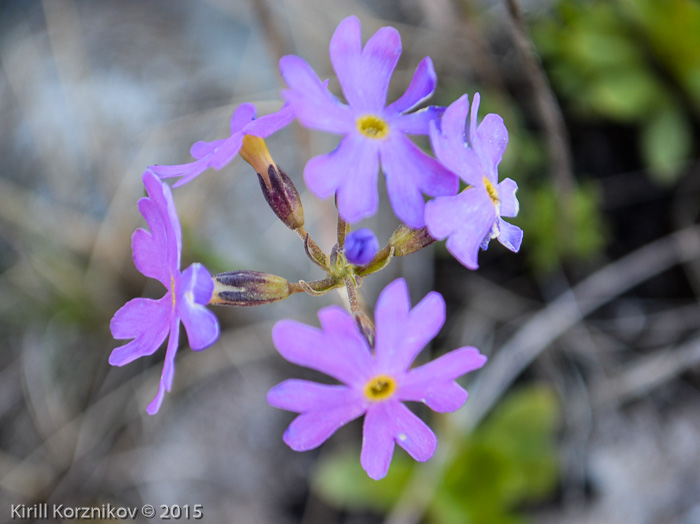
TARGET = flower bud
(360,246)
(248,288)
(282,197)
(406,240)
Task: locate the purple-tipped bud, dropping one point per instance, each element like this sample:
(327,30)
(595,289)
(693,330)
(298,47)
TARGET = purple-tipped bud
(282,197)
(248,288)
(361,246)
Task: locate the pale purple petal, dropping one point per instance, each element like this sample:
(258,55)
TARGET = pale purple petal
(187,172)
(329,408)
(268,124)
(226,152)
(195,288)
(339,350)
(201,149)
(465,219)
(509,235)
(420,89)
(411,433)
(160,194)
(311,101)
(364,76)
(409,172)
(357,195)
(149,248)
(145,320)
(377,440)
(506,195)
(302,395)
(402,333)
(391,315)
(166,378)
(492,139)
(351,170)
(433,384)
(417,123)
(242,116)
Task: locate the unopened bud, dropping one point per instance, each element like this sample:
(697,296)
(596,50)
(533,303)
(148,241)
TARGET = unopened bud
(248,288)
(282,197)
(360,246)
(406,240)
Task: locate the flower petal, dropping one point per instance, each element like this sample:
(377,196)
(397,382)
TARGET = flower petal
(186,172)
(364,74)
(300,396)
(421,88)
(145,320)
(194,290)
(417,123)
(269,124)
(466,219)
(202,148)
(409,172)
(339,350)
(492,139)
(510,236)
(323,409)
(433,383)
(404,333)
(377,441)
(242,116)
(351,170)
(310,100)
(506,194)
(164,218)
(166,377)
(411,433)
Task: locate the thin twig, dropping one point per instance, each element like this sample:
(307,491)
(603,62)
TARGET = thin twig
(548,110)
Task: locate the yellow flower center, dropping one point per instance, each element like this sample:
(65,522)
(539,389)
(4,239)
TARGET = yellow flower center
(172,289)
(492,191)
(380,388)
(372,126)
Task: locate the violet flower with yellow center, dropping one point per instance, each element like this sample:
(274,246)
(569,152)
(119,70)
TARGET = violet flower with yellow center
(148,322)
(374,384)
(472,218)
(374,133)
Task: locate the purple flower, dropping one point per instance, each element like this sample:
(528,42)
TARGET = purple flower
(219,153)
(360,246)
(374,133)
(375,385)
(472,218)
(157,255)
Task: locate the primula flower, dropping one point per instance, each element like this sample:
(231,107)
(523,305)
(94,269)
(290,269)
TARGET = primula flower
(375,385)
(374,133)
(472,218)
(157,255)
(219,153)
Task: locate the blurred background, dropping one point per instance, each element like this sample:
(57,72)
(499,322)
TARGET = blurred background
(589,408)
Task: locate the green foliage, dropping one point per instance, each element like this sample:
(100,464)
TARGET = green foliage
(558,231)
(628,61)
(507,461)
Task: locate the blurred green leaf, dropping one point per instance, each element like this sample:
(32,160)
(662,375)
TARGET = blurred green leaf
(666,143)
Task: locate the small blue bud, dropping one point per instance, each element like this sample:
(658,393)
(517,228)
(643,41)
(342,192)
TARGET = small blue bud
(361,246)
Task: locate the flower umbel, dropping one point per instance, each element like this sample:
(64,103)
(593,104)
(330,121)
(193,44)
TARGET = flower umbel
(219,153)
(472,218)
(157,255)
(376,385)
(374,133)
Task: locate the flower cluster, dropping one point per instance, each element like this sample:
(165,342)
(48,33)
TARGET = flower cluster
(371,358)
